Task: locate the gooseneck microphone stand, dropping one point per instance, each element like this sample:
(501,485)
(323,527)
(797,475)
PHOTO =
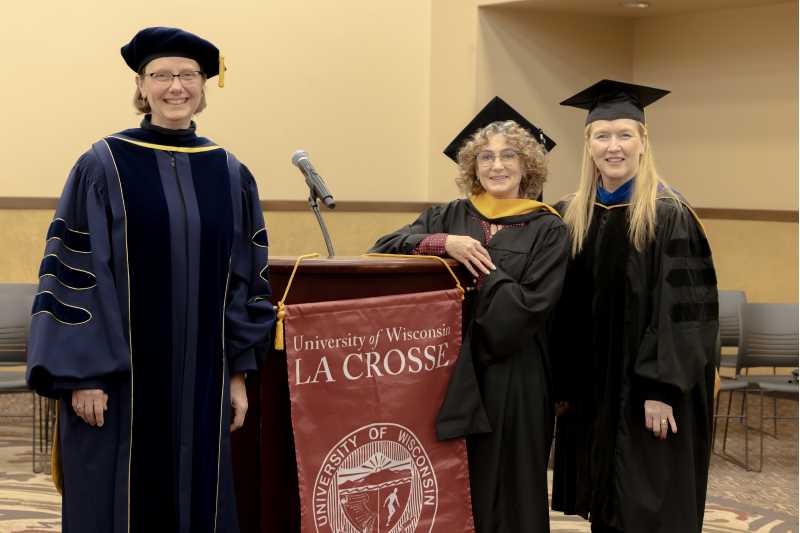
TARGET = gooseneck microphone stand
(317,190)
(312,201)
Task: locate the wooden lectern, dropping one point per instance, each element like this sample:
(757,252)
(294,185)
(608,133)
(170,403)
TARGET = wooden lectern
(265,471)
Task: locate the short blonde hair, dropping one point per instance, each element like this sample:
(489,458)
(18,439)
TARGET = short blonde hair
(142,106)
(533,162)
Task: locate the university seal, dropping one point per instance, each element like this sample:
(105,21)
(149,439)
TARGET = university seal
(377,479)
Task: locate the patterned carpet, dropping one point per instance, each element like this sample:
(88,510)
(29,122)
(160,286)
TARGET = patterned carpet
(762,502)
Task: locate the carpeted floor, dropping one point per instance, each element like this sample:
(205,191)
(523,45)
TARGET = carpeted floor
(763,502)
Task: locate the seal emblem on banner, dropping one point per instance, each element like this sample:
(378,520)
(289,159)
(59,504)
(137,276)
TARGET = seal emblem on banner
(377,479)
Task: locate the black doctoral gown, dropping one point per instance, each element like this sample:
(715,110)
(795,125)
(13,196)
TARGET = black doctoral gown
(499,395)
(632,327)
(153,288)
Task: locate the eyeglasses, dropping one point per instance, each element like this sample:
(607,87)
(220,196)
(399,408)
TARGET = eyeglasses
(507,157)
(187,77)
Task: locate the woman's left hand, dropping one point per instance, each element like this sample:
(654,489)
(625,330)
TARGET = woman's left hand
(658,418)
(238,400)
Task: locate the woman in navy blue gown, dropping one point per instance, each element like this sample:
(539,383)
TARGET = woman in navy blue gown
(152,306)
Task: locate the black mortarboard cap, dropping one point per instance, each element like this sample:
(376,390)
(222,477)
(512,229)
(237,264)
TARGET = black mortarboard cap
(611,100)
(152,43)
(496,110)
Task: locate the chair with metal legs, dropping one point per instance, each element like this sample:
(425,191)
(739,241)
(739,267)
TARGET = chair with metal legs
(730,325)
(769,339)
(15,316)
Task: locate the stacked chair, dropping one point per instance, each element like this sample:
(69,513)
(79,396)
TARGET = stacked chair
(767,338)
(15,317)
(730,332)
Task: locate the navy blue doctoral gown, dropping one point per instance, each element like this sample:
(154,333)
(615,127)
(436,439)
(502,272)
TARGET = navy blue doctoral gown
(154,288)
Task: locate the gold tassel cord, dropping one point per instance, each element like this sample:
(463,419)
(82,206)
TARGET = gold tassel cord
(56,466)
(221,80)
(432,257)
(281,307)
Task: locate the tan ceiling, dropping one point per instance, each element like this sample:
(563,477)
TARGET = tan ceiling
(615,8)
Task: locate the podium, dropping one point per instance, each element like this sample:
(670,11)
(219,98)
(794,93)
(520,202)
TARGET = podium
(265,471)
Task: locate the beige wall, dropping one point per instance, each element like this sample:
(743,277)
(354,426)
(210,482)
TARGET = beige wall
(348,81)
(730,126)
(751,256)
(453,99)
(375,90)
(22,235)
(732,117)
(757,257)
(535,59)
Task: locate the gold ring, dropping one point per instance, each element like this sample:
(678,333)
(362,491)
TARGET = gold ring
(663,421)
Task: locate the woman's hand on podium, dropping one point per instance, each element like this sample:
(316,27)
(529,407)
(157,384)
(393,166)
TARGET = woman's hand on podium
(469,253)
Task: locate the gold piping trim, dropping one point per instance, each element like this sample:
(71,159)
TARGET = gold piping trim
(184,149)
(72,268)
(252,239)
(696,217)
(56,237)
(65,305)
(68,228)
(609,207)
(687,206)
(65,246)
(130,333)
(222,385)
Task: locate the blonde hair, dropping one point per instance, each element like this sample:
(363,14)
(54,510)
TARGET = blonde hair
(642,206)
(533,163)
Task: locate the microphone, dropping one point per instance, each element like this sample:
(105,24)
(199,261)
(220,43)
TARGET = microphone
(314,181)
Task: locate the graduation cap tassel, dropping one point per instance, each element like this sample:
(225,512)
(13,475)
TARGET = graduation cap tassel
(221,80)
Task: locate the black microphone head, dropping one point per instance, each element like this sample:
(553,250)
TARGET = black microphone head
(298,155)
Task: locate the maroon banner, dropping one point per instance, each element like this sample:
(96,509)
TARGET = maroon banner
(366,379)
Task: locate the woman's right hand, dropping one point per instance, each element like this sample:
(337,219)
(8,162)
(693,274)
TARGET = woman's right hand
(469,253)
(90,405)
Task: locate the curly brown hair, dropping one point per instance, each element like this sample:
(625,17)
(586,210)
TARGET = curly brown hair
(533,162)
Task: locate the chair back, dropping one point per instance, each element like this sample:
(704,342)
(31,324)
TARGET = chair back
(769,336)
(15,319)
(730,317)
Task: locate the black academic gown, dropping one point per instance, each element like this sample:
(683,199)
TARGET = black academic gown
(153,288)
(631,327)
(499,395)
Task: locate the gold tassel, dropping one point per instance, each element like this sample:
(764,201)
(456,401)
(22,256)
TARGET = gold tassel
(56,467)
(279,342)
(281,314)
(221,81)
